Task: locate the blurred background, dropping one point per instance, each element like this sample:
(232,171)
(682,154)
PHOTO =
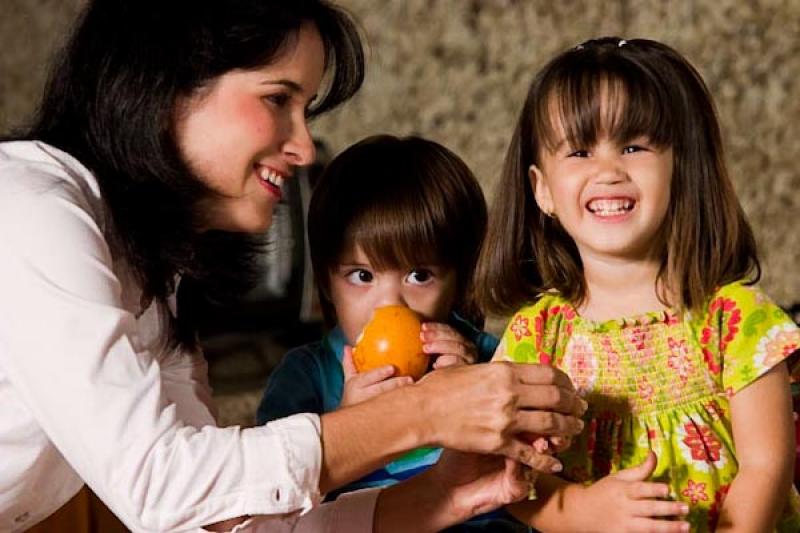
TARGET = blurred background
(457,71)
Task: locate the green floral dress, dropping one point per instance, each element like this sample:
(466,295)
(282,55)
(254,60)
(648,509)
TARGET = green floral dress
(661,382)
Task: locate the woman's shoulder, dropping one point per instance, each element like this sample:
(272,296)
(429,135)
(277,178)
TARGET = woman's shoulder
(36,174)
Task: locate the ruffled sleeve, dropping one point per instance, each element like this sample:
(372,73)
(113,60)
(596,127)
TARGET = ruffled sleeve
(527,338)
(749,333)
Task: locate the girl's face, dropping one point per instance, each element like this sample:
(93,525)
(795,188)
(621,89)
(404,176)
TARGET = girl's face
(247,132)
(611,198)
(357,288)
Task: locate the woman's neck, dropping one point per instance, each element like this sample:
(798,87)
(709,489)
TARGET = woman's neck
(620,288)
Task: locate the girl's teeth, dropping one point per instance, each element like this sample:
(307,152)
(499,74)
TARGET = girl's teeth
(610,207)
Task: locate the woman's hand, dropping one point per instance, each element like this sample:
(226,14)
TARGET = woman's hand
(363,386)
(625,501)
(459,486)
(447,345)
(488,408)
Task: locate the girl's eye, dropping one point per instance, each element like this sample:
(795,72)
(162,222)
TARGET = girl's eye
(579,153)
(419,276)
(359,276)
(633,148)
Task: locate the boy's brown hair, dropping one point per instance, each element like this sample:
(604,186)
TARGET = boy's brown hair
(652,91)
(406,202)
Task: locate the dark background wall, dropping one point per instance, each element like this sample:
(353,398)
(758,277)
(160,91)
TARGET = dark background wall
(457,70)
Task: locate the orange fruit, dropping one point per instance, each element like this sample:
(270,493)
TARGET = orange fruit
(391,337)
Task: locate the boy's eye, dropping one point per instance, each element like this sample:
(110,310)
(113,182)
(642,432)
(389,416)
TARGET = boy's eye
(419,276)
(359,277)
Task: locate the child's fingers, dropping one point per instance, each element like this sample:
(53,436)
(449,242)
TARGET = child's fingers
(443,361)
(645,508)
(463,350)
(371,377)
(560,443)
(639,472)
(390,384)
(348,366)
(649,525)
(645,490)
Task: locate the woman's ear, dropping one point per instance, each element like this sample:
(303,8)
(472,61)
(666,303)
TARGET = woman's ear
(541,191)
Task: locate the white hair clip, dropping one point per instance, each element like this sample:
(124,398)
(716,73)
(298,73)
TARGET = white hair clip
(622,42)
(579,47)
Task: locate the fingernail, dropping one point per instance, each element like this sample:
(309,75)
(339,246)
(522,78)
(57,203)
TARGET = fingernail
(583,404)
(684,509)
(581,425)
(556,467)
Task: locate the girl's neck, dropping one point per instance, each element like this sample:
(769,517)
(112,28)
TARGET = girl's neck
(619,288)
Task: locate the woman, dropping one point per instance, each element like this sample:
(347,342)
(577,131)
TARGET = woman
(164,135)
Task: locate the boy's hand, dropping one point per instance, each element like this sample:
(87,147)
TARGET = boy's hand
(360,387)
(447,345)
(625,501)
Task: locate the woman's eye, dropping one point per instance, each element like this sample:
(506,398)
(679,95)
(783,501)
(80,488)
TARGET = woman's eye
(359,277)
(419,276)
(278,99)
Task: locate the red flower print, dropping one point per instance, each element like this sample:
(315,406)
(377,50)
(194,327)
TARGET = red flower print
(520,327)
(713,512)
(671,319)
(695,492)
(645,389)
(702,442)
(545,359)
(711,361)
(679,359)
(651,434)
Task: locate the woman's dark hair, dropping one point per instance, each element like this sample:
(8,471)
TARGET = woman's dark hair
(405,202)
(111,102)
(623,89)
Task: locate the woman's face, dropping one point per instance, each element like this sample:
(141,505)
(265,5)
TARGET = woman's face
(247,132)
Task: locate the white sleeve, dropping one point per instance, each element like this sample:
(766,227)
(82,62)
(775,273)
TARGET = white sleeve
(66,347)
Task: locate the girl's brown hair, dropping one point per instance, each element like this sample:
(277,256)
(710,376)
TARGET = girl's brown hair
(406,202)
(651,90)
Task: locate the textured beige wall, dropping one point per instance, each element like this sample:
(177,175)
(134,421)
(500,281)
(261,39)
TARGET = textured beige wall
(457,70)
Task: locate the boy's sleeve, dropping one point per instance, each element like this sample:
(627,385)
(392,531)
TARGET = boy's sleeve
(292,388)
(754,335)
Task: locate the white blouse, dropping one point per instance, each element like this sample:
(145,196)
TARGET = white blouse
(89,390)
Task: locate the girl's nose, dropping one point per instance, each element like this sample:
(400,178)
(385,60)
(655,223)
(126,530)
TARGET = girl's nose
(391,295)
(610,170)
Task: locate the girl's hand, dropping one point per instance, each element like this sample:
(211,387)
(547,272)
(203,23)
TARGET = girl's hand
(625,501)
(362,386)
(447,345)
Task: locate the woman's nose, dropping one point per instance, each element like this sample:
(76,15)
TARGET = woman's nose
(299,147)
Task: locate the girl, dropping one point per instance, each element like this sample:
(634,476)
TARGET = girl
(160,147)
(391,222)
(626,258)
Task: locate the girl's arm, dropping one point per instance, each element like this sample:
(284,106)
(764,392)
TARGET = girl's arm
(763,433)
(623,501)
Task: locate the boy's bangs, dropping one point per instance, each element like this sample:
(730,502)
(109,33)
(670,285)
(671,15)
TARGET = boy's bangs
(397,236)
(586,102)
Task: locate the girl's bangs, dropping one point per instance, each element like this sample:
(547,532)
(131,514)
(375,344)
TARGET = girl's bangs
(585,102)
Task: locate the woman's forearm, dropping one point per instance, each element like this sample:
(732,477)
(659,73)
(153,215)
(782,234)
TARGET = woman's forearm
(360,438)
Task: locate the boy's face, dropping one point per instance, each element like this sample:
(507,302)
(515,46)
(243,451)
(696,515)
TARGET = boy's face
(357,288)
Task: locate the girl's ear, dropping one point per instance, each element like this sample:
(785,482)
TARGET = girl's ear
(540,190)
